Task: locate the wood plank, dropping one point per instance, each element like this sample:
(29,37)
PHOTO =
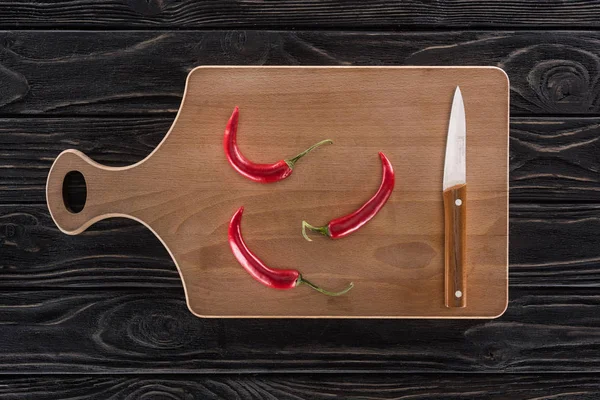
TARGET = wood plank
(302,386)
(552,245)
(113,253)
(151,331)
(296,14)
(551,159)
(554,159)
(110,73)
(28,146)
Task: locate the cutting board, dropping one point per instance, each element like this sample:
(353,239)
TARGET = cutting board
(185,191)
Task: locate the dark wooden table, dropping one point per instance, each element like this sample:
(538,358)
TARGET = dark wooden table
(103,314)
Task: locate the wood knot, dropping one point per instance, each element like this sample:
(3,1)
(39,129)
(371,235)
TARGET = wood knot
(158,330)
(560,78)
(15,230)
(148,7)
(563,83)
(153,325)
(252,46)
(153,389)
(8,231)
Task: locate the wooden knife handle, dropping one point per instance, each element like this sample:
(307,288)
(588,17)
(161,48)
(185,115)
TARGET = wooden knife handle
(455,219)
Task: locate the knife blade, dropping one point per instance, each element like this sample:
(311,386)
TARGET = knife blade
(455,205)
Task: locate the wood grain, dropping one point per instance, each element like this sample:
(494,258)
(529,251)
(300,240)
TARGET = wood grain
(30,145)
(550,72)
(186,192)
(554,245)
(131,331)
(115,253)
(123,253)
(551,159)
(296,14)
(304,386)
(455,246)
(554,160)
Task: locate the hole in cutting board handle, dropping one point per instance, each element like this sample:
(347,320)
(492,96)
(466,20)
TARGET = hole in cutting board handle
(74,191)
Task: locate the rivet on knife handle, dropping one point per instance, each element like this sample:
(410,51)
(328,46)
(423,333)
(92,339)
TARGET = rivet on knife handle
(455,218)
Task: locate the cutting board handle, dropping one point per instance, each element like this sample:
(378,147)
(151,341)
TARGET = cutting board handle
(104,192)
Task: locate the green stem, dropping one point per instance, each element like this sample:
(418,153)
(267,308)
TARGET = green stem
(323,230)
(292,161)
(321,290)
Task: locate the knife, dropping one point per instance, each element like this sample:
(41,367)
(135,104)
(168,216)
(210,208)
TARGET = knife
(455,206)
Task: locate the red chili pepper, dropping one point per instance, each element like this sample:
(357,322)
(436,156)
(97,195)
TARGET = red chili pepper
(263,173)
(343,226)
(274,278)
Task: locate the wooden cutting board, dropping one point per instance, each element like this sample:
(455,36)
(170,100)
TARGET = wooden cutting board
(186,192)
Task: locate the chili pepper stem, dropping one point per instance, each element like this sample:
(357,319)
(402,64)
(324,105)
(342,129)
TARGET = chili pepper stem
(321,290)
(292,161)
(323,230)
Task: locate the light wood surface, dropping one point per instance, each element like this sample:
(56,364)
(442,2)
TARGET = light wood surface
(455,227)
(186,192)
